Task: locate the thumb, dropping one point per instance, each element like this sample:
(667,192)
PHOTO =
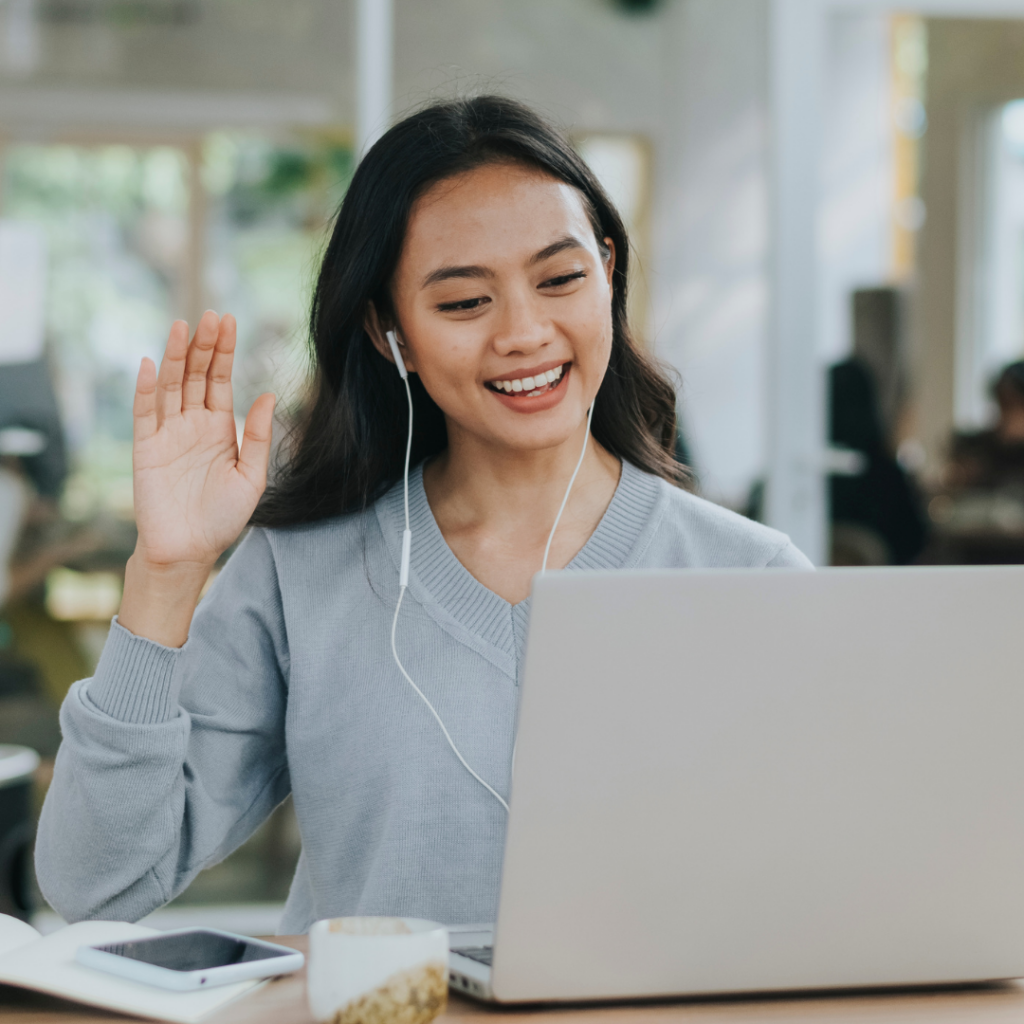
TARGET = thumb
(255,453)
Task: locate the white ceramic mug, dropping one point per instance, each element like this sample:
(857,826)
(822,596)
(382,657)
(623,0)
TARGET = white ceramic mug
(377,970)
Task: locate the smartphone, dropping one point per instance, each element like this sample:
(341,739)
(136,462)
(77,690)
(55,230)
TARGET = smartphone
(192,958)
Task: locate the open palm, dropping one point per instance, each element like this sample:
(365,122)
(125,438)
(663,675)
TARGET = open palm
(194,489)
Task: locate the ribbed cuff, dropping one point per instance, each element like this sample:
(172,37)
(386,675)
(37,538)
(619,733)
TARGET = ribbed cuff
(135,680)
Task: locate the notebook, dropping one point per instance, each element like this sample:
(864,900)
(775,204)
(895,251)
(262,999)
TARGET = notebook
(47,964)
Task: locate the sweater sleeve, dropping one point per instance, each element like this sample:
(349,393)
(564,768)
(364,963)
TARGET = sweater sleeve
(169,759)
(789,556)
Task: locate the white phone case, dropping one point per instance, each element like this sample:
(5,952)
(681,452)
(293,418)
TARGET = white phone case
(163,977)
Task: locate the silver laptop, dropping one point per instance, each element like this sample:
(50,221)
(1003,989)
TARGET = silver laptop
(749,781)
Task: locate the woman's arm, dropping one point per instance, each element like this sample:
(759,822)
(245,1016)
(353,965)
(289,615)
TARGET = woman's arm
(171,757)
(173,754)
(789,556)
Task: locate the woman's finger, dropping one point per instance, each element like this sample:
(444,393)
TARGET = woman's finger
(144,407)
(218,378)
(172,371)
(197,362)
(255,454)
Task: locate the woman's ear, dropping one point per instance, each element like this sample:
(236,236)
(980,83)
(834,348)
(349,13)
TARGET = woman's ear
(377,332)
(609,259)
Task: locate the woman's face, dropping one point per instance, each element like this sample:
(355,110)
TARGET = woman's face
(503,302)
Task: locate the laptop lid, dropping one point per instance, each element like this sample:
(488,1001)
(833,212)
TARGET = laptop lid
(749,781)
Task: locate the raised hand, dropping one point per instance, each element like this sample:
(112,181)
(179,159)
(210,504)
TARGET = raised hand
(194,489)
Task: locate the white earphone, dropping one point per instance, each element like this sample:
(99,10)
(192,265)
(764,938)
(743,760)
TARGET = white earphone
(403,573)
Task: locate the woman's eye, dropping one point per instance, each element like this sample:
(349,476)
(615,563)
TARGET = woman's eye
(461,306)
(557,282)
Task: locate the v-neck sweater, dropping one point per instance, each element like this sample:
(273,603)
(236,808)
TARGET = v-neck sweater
(171,758)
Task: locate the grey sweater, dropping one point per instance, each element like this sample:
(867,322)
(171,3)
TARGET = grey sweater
(171,758)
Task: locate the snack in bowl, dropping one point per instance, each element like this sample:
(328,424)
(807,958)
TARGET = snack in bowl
(377,970)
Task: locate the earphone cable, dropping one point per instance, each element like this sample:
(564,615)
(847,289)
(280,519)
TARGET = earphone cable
(404,573)
(568,491)
(408,451)
(430,707)
(403,586)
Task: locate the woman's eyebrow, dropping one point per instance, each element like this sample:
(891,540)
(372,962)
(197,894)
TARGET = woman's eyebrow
(564,243)
(447,273)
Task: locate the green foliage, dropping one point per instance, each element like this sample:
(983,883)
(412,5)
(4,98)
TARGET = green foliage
(118,228)
(302,182)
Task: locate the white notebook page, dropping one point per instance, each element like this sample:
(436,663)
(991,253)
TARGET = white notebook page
(48,965)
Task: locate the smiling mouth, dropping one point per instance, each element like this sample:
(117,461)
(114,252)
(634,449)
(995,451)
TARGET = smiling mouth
(530,387)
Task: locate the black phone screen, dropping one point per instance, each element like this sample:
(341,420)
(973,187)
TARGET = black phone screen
(191,951)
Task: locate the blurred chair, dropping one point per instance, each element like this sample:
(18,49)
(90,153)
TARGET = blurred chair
(17,769)
(14,501)
(979,513)
(994,459)
(882,501)
(878,344)
(28,405)
(857,545)
(33,465)
(876,514)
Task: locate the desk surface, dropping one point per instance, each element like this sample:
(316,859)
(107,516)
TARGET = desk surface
(284,1002)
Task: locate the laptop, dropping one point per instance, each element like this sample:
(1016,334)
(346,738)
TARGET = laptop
(744,781)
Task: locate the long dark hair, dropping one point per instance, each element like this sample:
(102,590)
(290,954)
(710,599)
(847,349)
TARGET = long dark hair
(349,447)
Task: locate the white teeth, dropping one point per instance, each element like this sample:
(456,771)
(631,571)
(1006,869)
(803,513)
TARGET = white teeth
(529,385)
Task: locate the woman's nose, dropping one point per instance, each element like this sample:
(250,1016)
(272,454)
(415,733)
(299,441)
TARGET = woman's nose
(520,328)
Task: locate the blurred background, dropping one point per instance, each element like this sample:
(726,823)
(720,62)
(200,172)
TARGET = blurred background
(826,199)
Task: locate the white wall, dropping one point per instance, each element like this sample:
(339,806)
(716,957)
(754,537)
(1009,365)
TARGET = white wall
(855,228)
(585,62)
(710,234)
(712,229)
(997,336)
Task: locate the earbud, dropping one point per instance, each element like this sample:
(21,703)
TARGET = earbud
(397,353)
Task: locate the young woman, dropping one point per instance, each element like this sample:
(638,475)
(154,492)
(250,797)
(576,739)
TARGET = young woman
(475,234)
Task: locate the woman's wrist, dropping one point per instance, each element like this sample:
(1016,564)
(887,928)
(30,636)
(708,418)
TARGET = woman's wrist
(160,598)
